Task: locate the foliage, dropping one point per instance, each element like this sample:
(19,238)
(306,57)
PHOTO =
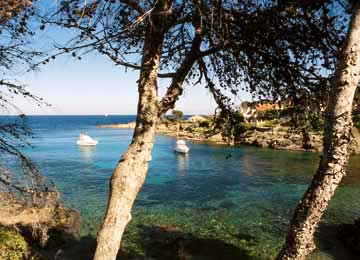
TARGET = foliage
(205,124)
(271,123)
(16,20)
(177,114)
(232,124)
(168,120)
(357,124)
(285,112)
(269,114)
(316,121)
(356,120)
(12,245)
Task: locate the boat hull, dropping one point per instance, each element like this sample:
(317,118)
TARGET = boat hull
(87,143)
(182,149)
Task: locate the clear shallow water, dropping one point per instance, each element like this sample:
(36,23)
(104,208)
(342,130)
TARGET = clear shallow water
(243,201)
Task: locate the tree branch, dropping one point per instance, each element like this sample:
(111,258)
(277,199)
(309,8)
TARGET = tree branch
(176,88)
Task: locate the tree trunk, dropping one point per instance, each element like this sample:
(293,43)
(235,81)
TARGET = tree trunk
(131,170)
(300,239)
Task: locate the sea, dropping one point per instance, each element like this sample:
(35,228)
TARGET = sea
(231,201)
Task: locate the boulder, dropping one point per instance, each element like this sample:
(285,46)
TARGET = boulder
(197,119)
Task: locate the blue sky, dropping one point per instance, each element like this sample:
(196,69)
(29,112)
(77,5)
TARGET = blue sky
(93,85)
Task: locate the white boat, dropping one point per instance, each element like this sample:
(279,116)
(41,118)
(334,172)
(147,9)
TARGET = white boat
(181,146)
(86,140)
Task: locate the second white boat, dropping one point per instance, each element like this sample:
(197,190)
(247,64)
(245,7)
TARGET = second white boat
(181,146)
(85,140)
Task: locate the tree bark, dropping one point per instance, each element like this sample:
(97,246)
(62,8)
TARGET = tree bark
(131,170)
(332,168)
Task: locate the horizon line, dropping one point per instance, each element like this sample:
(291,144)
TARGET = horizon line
(104,115)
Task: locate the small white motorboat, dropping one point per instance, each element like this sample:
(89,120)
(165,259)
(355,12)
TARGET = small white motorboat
(86,140)
(181,146)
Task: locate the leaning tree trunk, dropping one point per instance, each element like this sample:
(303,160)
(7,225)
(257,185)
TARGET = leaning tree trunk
(131,170)
(300,239)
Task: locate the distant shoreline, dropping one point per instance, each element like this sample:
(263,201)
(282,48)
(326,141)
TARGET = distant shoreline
(173,131)
(276,138)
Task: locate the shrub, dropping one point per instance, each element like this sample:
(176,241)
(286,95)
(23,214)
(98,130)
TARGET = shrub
(286,112)
(247,127)
(12,245)
(205,124)
(177,114)
(271,123)
(316,121)
(357,124)
(356,118)
(270,114)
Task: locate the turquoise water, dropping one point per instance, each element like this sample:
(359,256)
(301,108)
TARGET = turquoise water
(236,200)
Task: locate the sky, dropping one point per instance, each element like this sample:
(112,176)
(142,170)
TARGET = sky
(95,86)
(92,86)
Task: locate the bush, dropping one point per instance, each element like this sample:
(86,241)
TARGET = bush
(12,245)
(205,124)
(177,114)
(316,121)
(271,123)
(270,114)
(286,112)
(247,127)
(357,124)
(356,118)
(231,124)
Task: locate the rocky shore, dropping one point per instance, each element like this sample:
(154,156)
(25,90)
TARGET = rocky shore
(279,138)
(266,137)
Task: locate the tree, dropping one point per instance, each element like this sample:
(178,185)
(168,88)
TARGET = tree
(24,195)
(15,53)
(332,167)
(177,114)
(191,42)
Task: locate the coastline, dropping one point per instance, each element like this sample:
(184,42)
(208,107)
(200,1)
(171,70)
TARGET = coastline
(172,130)
(278,138)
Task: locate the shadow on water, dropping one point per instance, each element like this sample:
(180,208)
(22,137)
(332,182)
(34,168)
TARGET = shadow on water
(328,241)
(157,243)
(83,249)
(169,243)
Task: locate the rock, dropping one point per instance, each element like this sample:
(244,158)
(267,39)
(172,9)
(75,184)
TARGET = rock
(197,119)
(38,220)
(216,138)
(130,125)
(278,139)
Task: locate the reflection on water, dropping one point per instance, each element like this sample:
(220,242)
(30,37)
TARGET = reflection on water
(87,153)
(182,163)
